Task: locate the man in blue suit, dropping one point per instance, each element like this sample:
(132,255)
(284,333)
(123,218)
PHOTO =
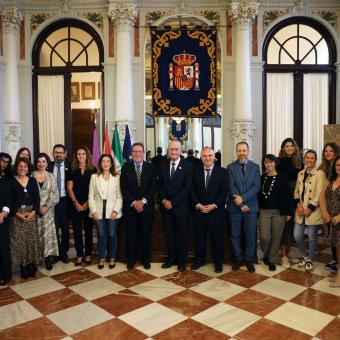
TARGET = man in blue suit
(244,184)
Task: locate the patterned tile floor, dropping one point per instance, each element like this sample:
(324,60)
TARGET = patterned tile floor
(87,303)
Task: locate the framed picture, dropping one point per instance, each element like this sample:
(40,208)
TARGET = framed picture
(75,93)
(88,91)
(98,89)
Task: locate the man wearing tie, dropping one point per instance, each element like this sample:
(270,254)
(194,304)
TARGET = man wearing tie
(210,187)
(61,172)
(244,184)
(138,186)
(175,183)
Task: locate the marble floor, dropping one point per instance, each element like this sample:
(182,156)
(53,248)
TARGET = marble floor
(87,303)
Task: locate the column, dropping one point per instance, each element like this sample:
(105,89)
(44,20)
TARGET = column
(162,132)
(196,126)
(11,17)
(123,15)
(243,14)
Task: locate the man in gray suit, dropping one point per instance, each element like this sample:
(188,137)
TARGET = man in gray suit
(244,184)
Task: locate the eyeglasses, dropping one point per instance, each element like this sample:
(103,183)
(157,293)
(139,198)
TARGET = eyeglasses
(4,160)
(137,151)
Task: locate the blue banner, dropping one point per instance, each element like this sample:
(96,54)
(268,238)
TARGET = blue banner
(184,73)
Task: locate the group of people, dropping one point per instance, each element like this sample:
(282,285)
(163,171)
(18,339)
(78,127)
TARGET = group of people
(291,196)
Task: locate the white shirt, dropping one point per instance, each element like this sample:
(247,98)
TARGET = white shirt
(104,187)
(176,163)
(62,173)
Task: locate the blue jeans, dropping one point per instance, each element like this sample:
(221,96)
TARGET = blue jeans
(312,238)
(247,221)
(107,228)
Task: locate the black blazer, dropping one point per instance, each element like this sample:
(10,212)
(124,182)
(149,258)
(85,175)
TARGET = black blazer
(194,161)
(5,194)
(215,193)
(68,170)
(130,189)
(178,190)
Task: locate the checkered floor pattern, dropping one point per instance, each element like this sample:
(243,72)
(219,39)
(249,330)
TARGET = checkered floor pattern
(87,303)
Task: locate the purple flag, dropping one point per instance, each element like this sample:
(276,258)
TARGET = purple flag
(95,148)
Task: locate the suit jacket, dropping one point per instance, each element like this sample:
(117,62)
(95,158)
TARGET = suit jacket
(247,185)
(5,195)
(215,193)
(114,200)
(194,161)
(178,190)
(313,188)
(132,191)
(68,170)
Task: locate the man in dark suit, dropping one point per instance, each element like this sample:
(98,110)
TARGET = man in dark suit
(244,184)
(174,186)
(192,159)
(210,187)
(158,158)
(61,171)
(138,183)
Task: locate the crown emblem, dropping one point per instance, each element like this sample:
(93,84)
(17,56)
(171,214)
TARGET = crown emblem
(184,59)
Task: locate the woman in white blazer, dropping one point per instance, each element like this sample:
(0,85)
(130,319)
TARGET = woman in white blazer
(105,204)
(309,185)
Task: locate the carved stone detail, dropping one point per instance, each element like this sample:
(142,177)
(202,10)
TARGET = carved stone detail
(242,131)
(243,14)
(121,128)
(124,17)
(12,137)
(12,18)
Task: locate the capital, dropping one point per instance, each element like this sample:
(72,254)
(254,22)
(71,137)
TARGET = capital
(12,18)
(123,16)
(243,13)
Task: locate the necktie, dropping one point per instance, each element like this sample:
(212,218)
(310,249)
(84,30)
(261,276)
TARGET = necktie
(207,178)
(243,169)
(59,178)
(172,172)
(138,174)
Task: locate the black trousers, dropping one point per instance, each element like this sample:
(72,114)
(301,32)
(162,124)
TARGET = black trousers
(62,223)
(5,258)
(176,235)
(138,234)
(80,221)
(203,224)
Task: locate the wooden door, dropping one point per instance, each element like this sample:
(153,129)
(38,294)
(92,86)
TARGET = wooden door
(82,128)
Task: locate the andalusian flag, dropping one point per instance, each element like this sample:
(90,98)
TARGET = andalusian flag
(117,149)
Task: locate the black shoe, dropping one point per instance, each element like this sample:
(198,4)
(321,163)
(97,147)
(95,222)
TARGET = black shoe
(31,269)
(146,265)
(236,266)
(250,267)
(266,261)
(65,259)
(181,268)
(48,264)
(77,263)
(167,264)
(272,267)
(196,266)
(218,268)
(23,272)
(130,265)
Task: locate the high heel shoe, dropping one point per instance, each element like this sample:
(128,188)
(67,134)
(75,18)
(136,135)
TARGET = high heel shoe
(88,260)
(101,264)
(112,264)
(78,261)
(31,268)
(48,263)
(23,272)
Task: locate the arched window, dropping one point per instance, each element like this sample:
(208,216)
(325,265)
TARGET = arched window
(299,83)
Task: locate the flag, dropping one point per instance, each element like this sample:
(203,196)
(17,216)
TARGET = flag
(106,146)
(127,145)
(116,148)
(95,147)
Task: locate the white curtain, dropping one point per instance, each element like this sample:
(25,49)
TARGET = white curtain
(50,112)
(280,109)
(315,110)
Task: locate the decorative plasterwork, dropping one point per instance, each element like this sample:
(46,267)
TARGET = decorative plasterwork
(38,18)
(210,15)
(243,13)
(329,16)
(181,8)
(242,131)
(12,17)
(123,16)
(270,16)
(151,17)
(96,18)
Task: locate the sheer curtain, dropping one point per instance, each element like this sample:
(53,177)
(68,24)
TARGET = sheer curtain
(315,110)
(50,111)
(280,110)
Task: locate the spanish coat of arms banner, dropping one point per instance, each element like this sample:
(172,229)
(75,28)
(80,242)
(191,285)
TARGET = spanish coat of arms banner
(184,73)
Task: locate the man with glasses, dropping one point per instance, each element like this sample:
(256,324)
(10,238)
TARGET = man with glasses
(138,186)
(61,171)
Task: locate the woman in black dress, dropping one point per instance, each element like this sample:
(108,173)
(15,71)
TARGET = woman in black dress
(78,190)
(23,228)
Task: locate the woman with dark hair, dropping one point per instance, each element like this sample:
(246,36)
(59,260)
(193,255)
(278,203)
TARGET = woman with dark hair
(24,228)
(275,209)
(78,190)
(5,165)
(308,216)
(25,153)
(49,197)
(329,153)
(330,208)
(290,163)
(105,203)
